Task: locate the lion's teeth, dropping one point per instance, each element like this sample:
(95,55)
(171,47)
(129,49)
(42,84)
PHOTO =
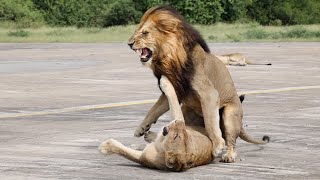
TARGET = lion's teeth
(138,52)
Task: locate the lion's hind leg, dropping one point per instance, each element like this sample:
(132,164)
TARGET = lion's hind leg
(210,103)
(111,146)
(232,123)
(191,118)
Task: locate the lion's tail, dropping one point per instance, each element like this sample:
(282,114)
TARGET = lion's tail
(245,136)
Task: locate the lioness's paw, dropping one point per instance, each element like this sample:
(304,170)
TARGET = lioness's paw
(218,147)
(150,136)
(106,147)
(228,157)
(141,130)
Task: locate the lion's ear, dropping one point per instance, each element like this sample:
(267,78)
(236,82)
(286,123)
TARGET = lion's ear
(168,24)
(190,162)
(170,159)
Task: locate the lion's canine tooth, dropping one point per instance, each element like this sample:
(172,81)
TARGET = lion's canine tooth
(138,52)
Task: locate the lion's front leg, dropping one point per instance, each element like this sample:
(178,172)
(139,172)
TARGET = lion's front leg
(159,108)
(210,103)
(112,146)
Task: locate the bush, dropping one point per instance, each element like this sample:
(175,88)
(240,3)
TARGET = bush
(289,12)
(70,12)
(103,13)
(22,12)
(88,13)
(144,5)
(116,14)
(199,11)
(195,11)
(234,10)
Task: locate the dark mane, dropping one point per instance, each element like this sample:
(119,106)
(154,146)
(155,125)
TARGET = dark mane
(178,70)
(181,81)
(193,36)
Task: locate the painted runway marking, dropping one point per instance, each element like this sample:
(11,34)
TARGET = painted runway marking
(130,103)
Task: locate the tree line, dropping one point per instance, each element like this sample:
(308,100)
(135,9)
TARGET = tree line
(104,13)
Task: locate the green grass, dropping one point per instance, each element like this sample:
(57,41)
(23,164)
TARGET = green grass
(219,32)
(67,34)
(19,33)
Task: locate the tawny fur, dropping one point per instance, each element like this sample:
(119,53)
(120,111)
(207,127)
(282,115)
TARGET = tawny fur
(202,82)
(179,148)
(237,59)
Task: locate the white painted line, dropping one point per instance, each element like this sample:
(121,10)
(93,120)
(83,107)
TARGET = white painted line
(130,103)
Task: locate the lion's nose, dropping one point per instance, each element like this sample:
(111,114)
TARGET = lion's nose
(165,131)
(131,44)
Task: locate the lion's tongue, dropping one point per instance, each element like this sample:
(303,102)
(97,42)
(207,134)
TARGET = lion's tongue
(144,53)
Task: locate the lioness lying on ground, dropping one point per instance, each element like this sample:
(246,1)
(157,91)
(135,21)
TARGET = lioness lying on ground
(178,147)
(237,59)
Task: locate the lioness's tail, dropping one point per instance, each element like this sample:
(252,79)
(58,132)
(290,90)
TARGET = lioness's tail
(254,63)
(245,136)
(267,64)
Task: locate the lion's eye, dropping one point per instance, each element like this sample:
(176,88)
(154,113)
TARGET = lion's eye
(165,131)
(145,32)
(175,137)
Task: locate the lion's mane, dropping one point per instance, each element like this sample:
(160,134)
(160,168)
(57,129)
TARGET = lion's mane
(177,40)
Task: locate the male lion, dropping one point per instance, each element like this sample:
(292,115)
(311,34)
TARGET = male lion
(237,59)
(178,147)
(171,47)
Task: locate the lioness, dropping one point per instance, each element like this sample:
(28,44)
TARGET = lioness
(237,59)
(178,147)
(171,47)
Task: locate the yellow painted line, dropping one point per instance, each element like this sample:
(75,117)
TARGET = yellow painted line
(130,103)
(78,108)
(280,90)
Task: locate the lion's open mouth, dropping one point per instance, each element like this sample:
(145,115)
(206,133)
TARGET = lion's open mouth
(145,54)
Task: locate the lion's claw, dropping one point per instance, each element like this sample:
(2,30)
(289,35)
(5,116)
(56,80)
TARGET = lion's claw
(139,132)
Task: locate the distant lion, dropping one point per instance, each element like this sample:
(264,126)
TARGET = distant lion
(237,59)
(171,47)
(176,148)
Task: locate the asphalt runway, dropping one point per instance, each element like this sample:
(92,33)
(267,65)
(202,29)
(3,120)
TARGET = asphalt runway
(58,102)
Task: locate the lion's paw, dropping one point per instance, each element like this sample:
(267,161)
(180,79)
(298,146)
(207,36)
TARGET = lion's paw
(141,130)
(218,147)
(228,157)
(107,146)
(150,136)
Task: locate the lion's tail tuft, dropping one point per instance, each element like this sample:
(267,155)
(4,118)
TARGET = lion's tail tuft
(246,137)
(266,138)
